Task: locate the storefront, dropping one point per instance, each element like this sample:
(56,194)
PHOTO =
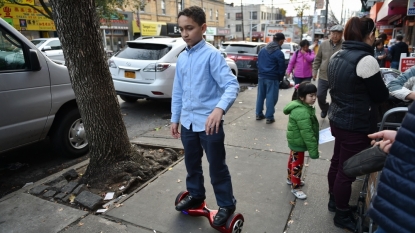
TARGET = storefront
(148,28)
(257,36)
(28,21)
(223,34)
(116,32)
(173,30)
(210,35)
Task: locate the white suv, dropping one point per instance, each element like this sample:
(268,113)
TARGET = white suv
(51,47)
(288,49)
(145,68)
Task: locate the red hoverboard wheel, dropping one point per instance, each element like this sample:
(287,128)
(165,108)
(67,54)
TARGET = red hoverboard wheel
(235,223)
(180,197)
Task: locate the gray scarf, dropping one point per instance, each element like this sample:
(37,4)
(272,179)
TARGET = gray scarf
(272,46)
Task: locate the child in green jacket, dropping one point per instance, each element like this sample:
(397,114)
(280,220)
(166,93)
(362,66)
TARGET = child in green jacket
(302,134)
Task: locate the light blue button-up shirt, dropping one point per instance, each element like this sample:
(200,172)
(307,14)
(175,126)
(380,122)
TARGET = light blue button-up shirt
(203,81)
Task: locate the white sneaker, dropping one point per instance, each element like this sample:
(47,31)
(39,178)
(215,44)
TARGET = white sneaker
(298,193)
(290,183)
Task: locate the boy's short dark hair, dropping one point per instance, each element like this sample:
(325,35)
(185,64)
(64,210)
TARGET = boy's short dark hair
(194,12)
(306,88)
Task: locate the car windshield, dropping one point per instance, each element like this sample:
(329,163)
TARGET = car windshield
(144,51)
(237,48)
(286,46)
(38,43)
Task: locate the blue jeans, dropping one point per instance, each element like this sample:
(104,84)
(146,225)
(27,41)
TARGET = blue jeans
(267,89)
(380,230)
(214,145)
(395,64)
(300,80)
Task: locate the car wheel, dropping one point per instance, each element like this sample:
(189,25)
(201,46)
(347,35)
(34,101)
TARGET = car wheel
(128,99)
(69,137)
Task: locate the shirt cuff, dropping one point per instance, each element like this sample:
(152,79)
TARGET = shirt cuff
(223,105)
(175,118)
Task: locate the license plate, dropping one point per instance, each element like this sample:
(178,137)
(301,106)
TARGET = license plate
(129,74)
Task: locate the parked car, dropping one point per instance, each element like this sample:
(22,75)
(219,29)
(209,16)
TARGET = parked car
(288,49)
(51,47)
(36,98)
(245,55)
(146,68)
(223,45)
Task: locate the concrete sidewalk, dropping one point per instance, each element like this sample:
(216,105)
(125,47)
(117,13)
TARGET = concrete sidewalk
(257,158)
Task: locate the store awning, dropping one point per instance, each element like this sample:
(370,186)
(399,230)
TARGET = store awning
(388,11)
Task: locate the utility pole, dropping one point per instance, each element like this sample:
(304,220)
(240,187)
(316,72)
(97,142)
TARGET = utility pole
(313,31)
(341,20)
(327,11)
(250,33)
(242,16)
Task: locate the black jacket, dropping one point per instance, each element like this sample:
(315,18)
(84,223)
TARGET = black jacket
(394,206)
(354,98)
(396,50)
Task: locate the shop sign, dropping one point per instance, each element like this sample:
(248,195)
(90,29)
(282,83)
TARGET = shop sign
(210,31)
(406,63)
(26,18)
(223,31)
(411,8)
(173,29)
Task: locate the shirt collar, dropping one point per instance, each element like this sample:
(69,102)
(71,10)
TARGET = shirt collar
(196,47)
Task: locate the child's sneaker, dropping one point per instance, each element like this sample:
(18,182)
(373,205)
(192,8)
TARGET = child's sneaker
(298,193)
(290,183)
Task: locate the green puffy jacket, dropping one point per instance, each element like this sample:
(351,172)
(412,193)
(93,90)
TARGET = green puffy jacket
(303,128)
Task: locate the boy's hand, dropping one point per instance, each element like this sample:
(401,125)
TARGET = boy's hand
(174,129)
(213,121)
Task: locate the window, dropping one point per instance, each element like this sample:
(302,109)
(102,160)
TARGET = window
(163,7)
(54,45)
(217,15)
(229,15)
(238,16)
(254,15)
(179,6)
(254,27)
(229,26)
(262,27)
(11,55)
(144,51)
(238,28)
(210,14)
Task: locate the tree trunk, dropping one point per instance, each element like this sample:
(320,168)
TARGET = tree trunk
(111,155)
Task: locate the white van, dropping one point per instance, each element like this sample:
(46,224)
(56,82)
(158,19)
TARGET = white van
(36,98)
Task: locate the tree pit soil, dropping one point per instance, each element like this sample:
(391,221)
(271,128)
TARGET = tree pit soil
(159,157)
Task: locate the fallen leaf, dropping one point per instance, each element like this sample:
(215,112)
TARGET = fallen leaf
(292,203)
(178,181)
(157,129)
(60,209)
(257,210)
(161,150)
(306,165)
(290,222)
(236,157)
(268,144)
(170,168)
(80,224)
(256,139)
(305,203)
(271,150)
(240,102)
(249,117)
(71,198)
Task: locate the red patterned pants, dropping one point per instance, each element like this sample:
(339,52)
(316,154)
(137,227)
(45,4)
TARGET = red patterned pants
(295,167)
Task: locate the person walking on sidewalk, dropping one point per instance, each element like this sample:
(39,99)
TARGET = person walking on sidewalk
(271,70)
(315,45)
(204,89)
(321,61)
(301,65)
(302,134)
(356,87)
(396,50)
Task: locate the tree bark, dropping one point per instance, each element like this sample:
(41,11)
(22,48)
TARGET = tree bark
(112,157)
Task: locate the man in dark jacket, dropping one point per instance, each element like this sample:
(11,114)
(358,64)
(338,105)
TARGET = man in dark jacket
(394,204)
(271,70)
(396,50)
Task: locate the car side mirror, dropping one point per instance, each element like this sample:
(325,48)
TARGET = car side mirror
(34,60)
(225,55)
(46,48)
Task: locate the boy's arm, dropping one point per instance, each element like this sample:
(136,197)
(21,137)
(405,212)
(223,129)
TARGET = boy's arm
(225,79)
(177,92)
(305,125)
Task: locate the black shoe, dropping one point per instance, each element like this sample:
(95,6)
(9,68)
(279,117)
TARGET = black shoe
(344,219)
(332,203)
(189,203)
(222,216)
(323,114)
(260,117)
(269,121)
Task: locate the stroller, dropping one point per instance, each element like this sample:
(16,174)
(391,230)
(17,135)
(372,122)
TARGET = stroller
(395,115)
